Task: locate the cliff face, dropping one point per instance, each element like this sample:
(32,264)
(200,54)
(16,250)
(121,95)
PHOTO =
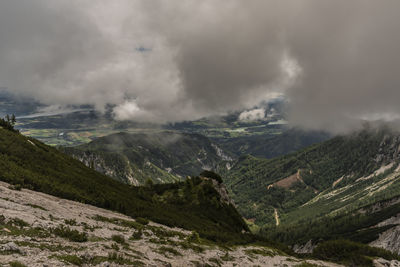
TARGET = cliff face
(389,239)
(123,173)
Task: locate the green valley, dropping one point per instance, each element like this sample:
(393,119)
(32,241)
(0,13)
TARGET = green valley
(342,188)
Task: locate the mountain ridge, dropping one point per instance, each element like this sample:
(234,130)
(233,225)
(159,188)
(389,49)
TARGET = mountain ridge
(160,156)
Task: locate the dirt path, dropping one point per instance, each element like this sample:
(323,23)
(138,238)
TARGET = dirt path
(276,215)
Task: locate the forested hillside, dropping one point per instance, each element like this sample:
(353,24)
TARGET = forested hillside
(325,191)
(272,145)
(159,156)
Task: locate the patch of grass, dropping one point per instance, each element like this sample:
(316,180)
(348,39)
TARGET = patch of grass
(16,264)
(95,239)
(227,257)
(188,245)
(119,229)
(262,252)
(18,222)
(36,206)
(50,247)
(142,221)
(118,238)
(307,264)
(87,227)
(17,187)
(216,261)
(162,232)
(71,222)
(118,221)
(72,259)
(27,231)
(137,235)
(193,237)
(114,247)
(113,257)
(120,259)
(71,235)
(168,250)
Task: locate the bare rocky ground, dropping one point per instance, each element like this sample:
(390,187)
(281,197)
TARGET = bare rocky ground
(41,230)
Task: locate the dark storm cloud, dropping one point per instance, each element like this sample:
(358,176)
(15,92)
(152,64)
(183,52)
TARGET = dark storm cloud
(336,61)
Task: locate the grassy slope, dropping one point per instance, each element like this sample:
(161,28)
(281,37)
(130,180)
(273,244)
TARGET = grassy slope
(191,205)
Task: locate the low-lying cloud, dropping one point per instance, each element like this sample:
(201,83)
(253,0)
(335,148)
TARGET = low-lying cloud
(252,115)
(335,61)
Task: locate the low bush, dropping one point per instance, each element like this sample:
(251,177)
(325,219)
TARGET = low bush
(71,235)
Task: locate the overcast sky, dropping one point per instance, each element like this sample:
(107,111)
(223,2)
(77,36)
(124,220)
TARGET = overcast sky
(162,61)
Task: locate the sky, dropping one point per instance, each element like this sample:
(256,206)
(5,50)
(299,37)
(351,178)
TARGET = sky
(335,62)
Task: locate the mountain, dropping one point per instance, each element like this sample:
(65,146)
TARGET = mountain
(346,187)
(160,156)
(192,223)
(194,204)
(271,145)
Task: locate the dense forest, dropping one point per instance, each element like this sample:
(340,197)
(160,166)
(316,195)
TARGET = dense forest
(320,192)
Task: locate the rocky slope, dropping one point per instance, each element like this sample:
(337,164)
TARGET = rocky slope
(37,229)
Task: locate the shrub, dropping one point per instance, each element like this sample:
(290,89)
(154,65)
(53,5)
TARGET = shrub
(18,222)
(137,235)
(115,246)
(73,259)
(142,221)
(17,187)
(16,264)
(193,237)
(70,221)
(165,250)
(72,235)
(118,238)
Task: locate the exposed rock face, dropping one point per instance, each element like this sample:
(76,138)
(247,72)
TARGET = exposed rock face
(304,249)
(386,263)
(11,247)
(26,236)
(98,163)
(223,192)
(389,240)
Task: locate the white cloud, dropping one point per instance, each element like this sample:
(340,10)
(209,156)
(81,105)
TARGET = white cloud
(252,115)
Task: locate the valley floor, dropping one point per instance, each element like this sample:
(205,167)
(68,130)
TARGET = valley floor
(41,230)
